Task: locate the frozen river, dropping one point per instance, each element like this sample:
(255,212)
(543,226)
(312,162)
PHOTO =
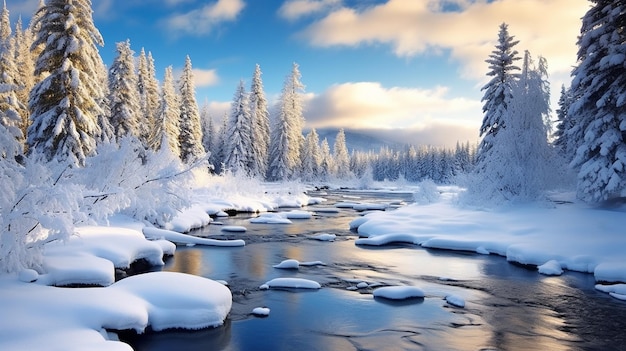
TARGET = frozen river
(507,307)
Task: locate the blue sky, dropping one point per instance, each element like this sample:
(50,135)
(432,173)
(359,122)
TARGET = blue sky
(409,70)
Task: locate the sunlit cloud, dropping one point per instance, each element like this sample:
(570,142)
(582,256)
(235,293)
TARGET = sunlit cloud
(205,77)
(203,20)
(404,111)
(467,29)
(295,9)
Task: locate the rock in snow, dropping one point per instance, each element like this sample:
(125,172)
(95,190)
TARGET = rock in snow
(399,292)
(295,283)
(455,301)
(552,267)
(261,311)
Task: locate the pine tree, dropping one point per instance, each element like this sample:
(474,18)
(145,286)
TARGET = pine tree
(166,129)
(311,156)
(564,124)
(340,154)
(260,124)
(220,146)
(148,87)
(286,134)
(209,135)
(598,110)
(25,70)
(190,137)
(10,106)
(499,89)
(327,164)
(519,165)
(123,93)
(65,105)
(142,78)
(239,154)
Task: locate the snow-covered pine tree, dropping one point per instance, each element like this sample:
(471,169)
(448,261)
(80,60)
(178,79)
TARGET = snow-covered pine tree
(598,109)
(209,134)
(217,159)
(286,133)
(10,106)
(498,90)
(340,154)
(190,136)
(142,77)
(260,124)
(239,154)
(25,68)
(311,156)
(519,165)
(564,123)
(166,127)
(123,93)
(65,105)
(327,164)
(148,87)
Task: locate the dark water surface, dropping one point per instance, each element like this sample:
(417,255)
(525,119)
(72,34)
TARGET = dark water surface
(507,307)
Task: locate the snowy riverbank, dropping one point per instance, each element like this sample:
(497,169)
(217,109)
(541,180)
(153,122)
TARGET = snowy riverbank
(554,236)
(564,235)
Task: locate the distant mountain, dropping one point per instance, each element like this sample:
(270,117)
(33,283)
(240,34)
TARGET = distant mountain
(357,140)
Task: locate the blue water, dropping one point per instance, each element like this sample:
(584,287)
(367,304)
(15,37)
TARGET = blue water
(507,307)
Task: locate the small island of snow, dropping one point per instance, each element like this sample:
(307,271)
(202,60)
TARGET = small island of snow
(399,292)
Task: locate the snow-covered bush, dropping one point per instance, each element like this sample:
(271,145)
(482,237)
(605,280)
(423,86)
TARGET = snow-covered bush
(144,184)
(37,205)
(426,193)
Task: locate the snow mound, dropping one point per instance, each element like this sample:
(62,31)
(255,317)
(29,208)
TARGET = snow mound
(399,292)
(386,239)
(190,218)
(233,228)
(295,283)
(156,233)
(295,264)
(323,237)
(297,214)
(288,264)
(552,267)
(261,311)
(455,301)
(28,275)
(270,218)
(178,300)
(617,291)
(369,207)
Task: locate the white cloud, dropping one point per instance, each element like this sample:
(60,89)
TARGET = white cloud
(205,77)
(295,9)
(202,20)
(430,113)
(545,27)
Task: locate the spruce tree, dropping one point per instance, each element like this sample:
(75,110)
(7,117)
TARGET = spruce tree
(311,156)
(499,89)
(340,154)
(65,105)
(598,110)
(25,70)
(123,93)
(166,128)
(208,130)
(564,124)
(239,154)
(10,106)
(190,137)
(259,116)
(286,134)
(327,163)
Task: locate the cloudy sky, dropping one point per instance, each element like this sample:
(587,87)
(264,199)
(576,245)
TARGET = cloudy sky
(412,68)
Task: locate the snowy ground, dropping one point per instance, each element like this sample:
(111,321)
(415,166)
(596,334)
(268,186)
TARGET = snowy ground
(554,237)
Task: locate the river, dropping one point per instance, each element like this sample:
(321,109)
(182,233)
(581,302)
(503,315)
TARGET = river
(507,307)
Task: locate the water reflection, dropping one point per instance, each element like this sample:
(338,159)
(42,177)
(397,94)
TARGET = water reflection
(507,307)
